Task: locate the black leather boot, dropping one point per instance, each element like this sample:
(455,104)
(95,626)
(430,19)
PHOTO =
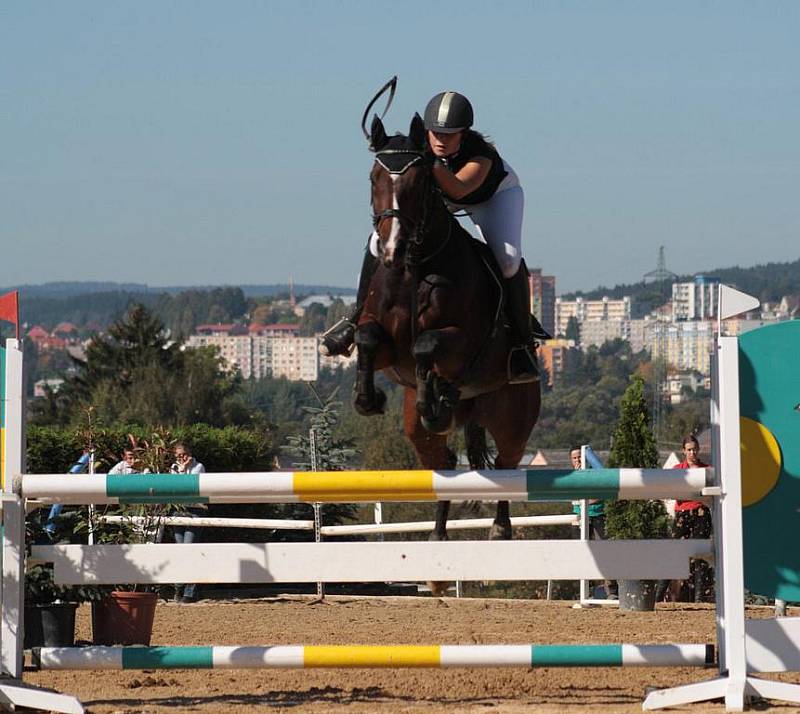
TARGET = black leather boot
(340,339)
(522,365)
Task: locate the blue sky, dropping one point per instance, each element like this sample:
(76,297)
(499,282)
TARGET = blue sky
(219,142)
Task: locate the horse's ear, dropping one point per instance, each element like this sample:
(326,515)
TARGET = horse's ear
(377,134)
(417,131)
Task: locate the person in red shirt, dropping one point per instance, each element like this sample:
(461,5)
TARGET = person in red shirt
(693,520)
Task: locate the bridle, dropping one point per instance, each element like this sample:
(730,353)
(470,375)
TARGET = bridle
(415,254)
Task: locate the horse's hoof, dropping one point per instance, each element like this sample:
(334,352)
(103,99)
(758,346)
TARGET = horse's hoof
(500,531)
(370,407)
(438,589)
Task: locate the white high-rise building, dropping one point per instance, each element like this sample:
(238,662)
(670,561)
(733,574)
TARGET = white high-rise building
(696,300)
(590,310)
(262,350)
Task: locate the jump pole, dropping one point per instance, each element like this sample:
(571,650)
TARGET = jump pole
(365,486)
(358,656)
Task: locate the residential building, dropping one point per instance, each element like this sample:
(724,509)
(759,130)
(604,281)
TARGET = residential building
(261,351)
(594,333)
(53,384)
(584,310)
(543,298)
(554,356)
(686,345)
(697,300)
(676,385)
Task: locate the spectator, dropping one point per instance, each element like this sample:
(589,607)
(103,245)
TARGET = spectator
(693,520)
(185,463)
(597,517)
(127,465)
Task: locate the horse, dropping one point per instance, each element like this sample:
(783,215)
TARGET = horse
(433,322)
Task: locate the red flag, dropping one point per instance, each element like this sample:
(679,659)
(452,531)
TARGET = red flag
(9,309)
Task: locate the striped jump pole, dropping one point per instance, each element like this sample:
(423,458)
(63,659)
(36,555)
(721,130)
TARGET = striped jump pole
(366,486)
(354,656)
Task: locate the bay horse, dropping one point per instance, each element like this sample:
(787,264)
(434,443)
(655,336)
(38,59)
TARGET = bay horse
(433,322)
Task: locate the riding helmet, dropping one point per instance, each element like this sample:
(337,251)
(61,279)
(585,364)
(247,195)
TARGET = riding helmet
(448,112)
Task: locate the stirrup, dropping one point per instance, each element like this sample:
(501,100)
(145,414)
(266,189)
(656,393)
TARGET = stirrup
(522,366)
(339,340)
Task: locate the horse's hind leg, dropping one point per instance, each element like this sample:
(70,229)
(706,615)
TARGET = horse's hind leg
(501,528)
(510,417)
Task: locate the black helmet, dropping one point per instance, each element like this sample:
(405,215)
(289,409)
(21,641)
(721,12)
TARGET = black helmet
(448,112)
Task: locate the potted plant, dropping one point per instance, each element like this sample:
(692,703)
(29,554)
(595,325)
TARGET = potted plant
(49,616)
(634,447)
(125,615)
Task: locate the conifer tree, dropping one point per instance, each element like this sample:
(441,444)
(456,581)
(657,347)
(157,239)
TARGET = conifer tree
(323,451)
(634,447)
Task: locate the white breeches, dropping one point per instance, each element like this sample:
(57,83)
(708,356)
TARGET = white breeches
(499,221)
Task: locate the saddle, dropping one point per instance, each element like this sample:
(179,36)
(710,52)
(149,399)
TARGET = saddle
(496,277)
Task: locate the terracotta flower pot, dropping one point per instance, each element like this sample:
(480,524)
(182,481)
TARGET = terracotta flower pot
(124,618)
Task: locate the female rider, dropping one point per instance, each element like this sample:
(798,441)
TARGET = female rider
(472,176)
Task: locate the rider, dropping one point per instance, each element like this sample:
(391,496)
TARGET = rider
(472,176)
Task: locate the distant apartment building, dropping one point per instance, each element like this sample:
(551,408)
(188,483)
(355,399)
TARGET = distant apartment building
(554,356)
(585,311)
(543,298)
(262,350)
(686,345)
(697,300)
(594,333)
(677,385)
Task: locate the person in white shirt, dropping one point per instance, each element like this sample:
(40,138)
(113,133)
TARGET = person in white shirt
(127,465)
(185,463)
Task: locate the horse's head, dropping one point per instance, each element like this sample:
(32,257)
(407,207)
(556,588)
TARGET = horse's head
(402,187)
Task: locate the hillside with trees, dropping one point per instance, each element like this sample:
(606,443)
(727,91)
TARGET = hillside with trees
(768,282)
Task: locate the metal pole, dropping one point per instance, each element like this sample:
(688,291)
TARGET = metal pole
(312,441)
(90,536)
(584,534)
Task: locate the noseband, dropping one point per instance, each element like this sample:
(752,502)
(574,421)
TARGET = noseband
(397,162)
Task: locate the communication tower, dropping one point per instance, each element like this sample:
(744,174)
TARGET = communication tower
(661,277)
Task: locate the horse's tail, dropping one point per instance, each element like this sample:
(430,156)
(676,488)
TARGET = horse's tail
(479,458)
(477,450)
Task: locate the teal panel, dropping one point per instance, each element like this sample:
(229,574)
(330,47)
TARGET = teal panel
(159,487)
(554,484)
(167,658)
(769,384)
(576,655)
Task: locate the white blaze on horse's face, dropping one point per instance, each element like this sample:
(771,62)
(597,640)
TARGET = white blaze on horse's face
(390,247)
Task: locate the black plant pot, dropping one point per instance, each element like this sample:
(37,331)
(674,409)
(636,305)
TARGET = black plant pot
(639,595)
(51,625)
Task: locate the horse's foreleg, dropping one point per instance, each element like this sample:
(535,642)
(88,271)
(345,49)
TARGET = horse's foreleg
(432,453)
(440,528)
(368,398)
(437,397)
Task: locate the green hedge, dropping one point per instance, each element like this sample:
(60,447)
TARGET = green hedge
(54,450)
(229,449)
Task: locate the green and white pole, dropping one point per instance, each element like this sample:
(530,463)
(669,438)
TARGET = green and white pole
(355,656)
(366,486)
